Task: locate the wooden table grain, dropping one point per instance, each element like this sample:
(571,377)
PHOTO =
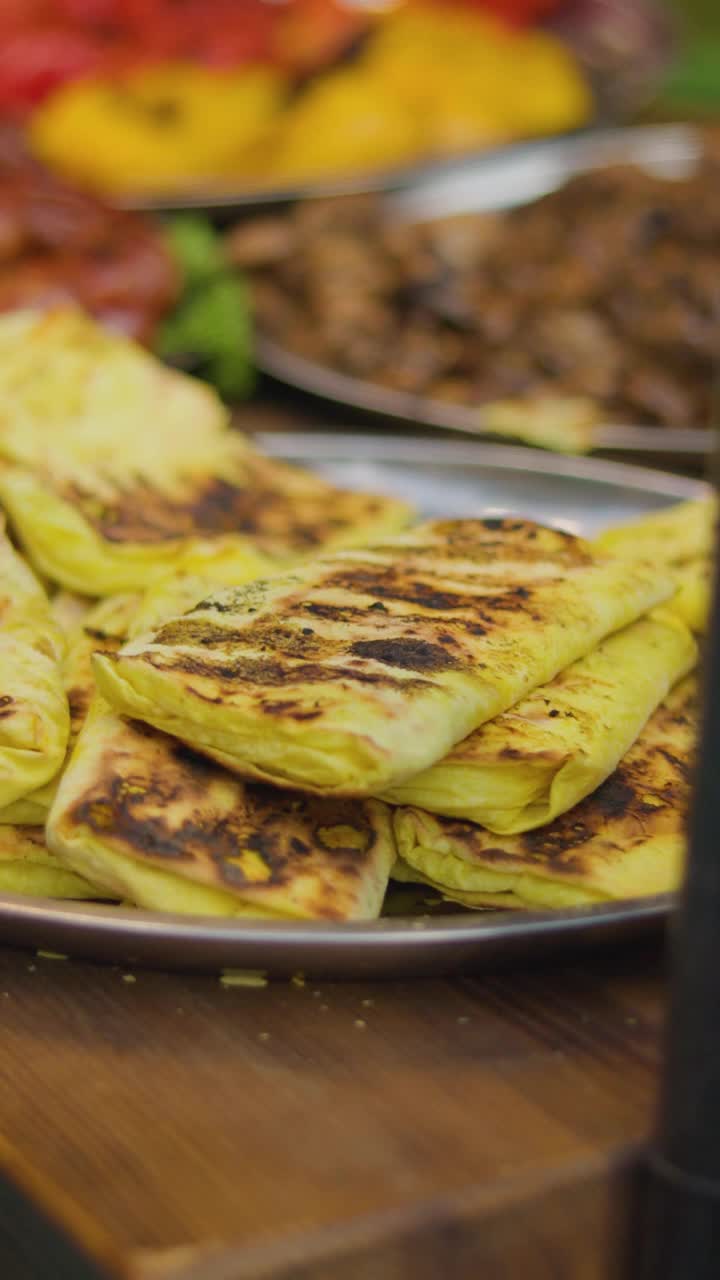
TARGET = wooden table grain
(164,1127)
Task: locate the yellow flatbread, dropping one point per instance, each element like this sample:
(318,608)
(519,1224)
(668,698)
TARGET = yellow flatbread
(625,840)
(143,818)
(100,628)
(28,867)
(102,530)
(69,387)
(545,754)
(353,673)
(681,538)
(692,600)
(34,720)
(146,819)
(69,609)
(674,535)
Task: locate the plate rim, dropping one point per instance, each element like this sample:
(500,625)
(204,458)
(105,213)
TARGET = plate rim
(394,178)
(389,947)
(416,450)
(344,390)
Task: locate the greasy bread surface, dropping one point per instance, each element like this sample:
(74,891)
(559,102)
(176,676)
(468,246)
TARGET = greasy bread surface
(681,538)
(68,384)
(692,600)
(674,535)
(28,867)
(625,840)
(103,628)
(355,672)
(34,721)
(101,530)
(554,747)
(144,818)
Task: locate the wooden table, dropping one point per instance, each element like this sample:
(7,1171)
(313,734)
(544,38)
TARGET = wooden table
(164,1127)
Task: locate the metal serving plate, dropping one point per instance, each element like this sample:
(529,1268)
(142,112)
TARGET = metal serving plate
(423,175)
(674,443)
(513,177)
(219,200)
(443,478)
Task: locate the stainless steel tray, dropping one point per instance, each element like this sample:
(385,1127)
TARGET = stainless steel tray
(443,478)
(501,181)
(671,443)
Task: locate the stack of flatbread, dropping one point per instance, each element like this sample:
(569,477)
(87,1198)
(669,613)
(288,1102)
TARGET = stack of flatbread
(118,475)
(254,694)
(503,709)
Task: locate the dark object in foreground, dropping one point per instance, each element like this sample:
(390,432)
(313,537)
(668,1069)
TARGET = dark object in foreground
(678,1231)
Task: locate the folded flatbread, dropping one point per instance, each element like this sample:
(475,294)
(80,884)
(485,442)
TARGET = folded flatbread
(143,818)
(70,387)
(34,720)
(99,530)
(625,840)
(682,539)
(692,599)
(353,673)
(28,867)
(151,822)
(100,628)
(554,747)
(674,535)
(69,609)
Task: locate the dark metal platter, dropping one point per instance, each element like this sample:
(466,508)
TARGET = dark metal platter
(516,176)
(443,478)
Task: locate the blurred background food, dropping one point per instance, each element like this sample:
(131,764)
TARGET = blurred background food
(606,289)
(59,244)
(169,285)
(151,96)
(600,296)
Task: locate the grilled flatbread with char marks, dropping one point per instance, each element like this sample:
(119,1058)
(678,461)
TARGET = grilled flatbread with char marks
(352,674)
(145,819)
(102,530)
(161,827)
(102,627)
(544,755)
(625,840)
